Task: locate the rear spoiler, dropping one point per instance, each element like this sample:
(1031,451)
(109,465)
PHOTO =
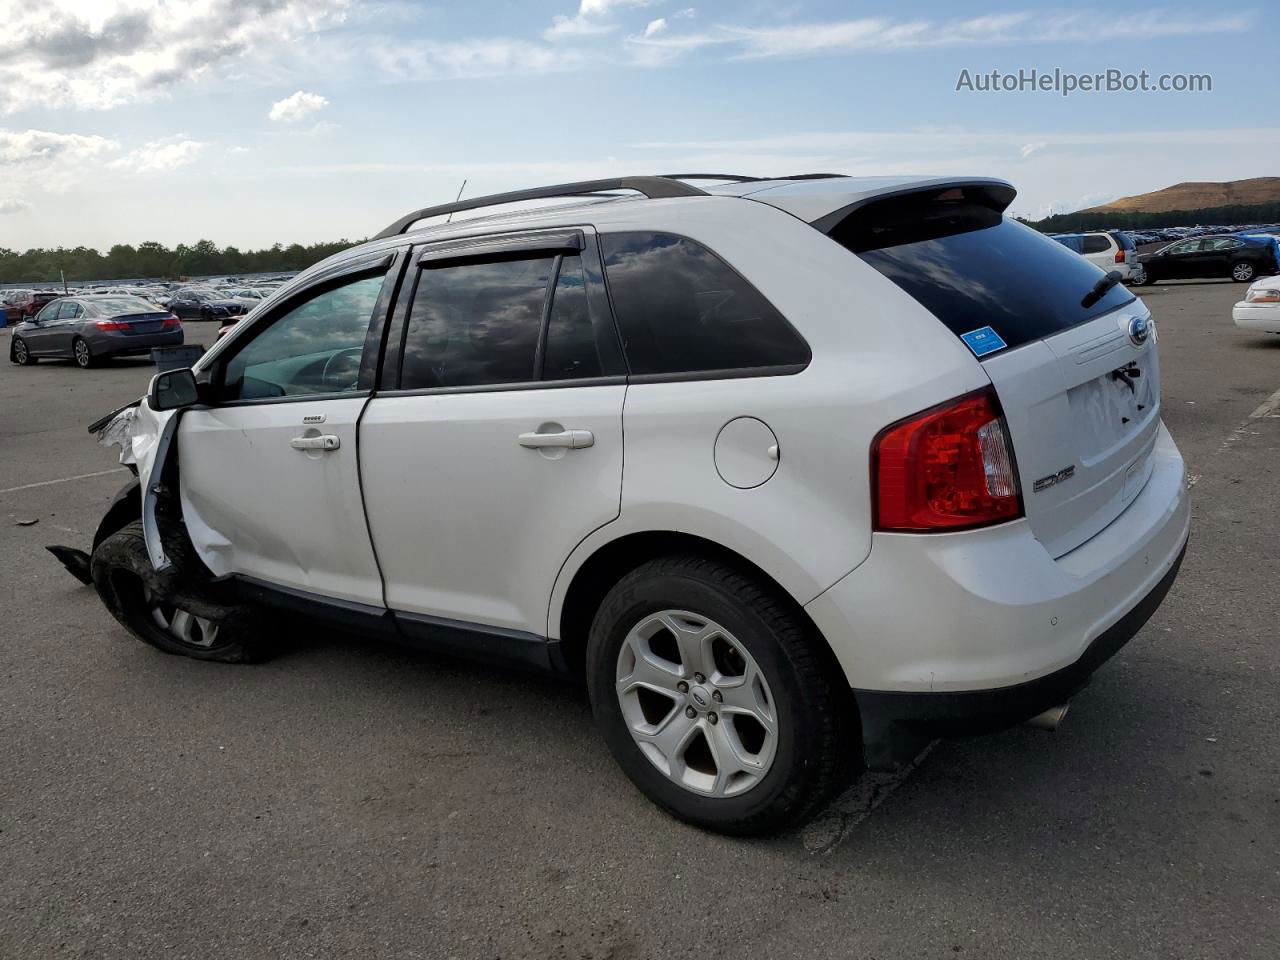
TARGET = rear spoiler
(989,192)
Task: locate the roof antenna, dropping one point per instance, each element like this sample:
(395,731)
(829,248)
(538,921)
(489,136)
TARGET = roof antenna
(457,198)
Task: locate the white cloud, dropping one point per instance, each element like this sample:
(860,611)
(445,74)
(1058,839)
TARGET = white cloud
(44,147)
(96,54)
(160,156)
(471,58)
(655,26)
(296,106)
(12,205)
(590,20)
(883,33)
(1029,148)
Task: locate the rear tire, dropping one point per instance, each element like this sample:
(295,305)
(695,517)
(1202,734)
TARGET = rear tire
(83,355)
(149,607)
(20,354)
(763,731)
(1243,272)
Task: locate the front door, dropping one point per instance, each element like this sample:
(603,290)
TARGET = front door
(499,446)
(270,483)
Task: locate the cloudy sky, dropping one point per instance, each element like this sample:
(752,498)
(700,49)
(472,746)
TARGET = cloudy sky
(254,121)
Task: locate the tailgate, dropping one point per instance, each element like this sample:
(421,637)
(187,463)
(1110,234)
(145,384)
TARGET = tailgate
(1083,410)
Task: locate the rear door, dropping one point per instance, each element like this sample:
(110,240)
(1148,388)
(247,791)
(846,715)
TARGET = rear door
(1079,380)
(497,446)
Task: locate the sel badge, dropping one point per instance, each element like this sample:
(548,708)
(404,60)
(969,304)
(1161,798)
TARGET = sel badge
(982,341)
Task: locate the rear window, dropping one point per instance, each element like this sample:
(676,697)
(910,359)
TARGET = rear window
(118,306)
(972,268)
(1096,243)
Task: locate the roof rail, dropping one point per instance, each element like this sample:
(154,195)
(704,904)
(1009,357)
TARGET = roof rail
(652,187)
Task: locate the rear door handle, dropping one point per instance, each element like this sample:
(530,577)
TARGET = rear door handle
(326,442)
(573,439)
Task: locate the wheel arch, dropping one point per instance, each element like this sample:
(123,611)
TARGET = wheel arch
(125,507)
(570,619)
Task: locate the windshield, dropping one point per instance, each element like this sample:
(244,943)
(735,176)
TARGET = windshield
(973,268)
(204,296)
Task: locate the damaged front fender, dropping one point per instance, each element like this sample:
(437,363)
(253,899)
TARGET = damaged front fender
(145,438)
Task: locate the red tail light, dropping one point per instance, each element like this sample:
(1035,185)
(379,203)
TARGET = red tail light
(171,323)
(1121,255)
(110,325)
(949,468)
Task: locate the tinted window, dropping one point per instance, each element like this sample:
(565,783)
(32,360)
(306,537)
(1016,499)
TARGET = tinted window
(1071,243)
(680,309)
(475,323)
(972,268)
(571,350)
(1096,244)
(314,347)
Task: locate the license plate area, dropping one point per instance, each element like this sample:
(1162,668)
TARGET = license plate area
(1112,407)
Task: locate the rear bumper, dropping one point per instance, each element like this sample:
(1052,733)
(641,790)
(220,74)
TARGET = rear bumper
(125,344)
(897,726)
(1257,318)
(988,617)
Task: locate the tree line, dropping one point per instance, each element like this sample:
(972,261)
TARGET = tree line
(1122,220)
(154,260)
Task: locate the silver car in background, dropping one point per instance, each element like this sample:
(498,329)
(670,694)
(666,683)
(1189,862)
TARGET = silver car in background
(91,328)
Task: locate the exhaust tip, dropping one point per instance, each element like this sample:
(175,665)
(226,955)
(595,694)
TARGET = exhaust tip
(1051,719)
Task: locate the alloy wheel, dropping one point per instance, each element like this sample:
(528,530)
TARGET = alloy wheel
(83,357)
(1242,272)
(696,703)
(20,350)
(183,626)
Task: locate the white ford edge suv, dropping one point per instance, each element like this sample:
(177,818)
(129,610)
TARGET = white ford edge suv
(798,474)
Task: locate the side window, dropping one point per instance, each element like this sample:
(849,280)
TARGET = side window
(69,310)
(1187,246)
(681,309)
(1096,244)
(50,312)
(477,323)
(315,347)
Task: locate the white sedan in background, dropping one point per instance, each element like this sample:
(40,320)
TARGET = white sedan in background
(1259,311)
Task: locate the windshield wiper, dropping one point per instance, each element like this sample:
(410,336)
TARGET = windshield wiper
(1100,289)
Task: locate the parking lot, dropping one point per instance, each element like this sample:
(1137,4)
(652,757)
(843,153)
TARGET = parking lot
(353,799)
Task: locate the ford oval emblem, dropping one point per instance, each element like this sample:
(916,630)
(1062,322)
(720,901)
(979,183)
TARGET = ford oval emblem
(1139,331)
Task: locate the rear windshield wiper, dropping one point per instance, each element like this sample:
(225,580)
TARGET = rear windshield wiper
(1100,289)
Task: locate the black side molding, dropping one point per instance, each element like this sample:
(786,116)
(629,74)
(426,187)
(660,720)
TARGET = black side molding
(457,638)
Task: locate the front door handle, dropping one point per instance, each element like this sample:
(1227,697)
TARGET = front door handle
(573,439)
(326,442)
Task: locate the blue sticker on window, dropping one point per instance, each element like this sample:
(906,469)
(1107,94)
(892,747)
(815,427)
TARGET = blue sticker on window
(983,341)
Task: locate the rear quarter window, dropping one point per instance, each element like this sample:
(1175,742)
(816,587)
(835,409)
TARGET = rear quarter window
(681,309)
(971,267)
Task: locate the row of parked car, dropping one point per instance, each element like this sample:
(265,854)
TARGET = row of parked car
(97,324)
(204,301)
(1242,257)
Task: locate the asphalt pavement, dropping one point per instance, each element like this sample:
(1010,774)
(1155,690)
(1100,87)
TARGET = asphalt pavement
(356,800)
